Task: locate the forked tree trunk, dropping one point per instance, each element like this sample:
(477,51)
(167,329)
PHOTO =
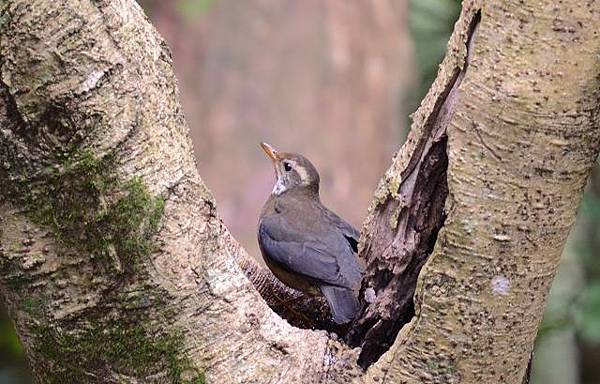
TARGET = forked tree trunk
(116,267)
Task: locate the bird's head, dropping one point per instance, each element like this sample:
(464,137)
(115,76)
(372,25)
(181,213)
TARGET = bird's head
(292,171)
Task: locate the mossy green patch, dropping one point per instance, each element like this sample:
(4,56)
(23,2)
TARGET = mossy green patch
(12,275)
(34,306)
(440,368)
(127,349)
(393,187)
(87,206)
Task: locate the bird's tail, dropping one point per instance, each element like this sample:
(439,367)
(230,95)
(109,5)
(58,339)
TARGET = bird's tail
(342,302)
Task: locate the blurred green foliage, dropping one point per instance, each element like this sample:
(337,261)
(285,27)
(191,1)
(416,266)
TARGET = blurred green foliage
(587,317)
(191,9)
(431,24)
(10,348)
(13,368)
(587,312)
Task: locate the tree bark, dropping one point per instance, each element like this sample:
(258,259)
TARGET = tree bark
(117,268)
(524,130)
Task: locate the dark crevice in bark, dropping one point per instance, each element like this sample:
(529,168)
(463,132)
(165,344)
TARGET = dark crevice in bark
(406,228)
(527,377)
(38,140)
(298,309)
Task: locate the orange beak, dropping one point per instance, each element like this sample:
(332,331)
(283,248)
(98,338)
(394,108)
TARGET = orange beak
(270,151)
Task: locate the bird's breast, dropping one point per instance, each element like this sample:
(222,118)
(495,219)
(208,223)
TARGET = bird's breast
(293,280)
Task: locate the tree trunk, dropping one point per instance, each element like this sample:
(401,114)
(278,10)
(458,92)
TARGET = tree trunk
(117,268)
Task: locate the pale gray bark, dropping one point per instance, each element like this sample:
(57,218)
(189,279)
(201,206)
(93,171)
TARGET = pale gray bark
(523,133)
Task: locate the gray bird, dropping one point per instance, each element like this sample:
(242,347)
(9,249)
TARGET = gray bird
(307,246)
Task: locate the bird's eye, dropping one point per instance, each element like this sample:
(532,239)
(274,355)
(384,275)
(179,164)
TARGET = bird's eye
(287,166)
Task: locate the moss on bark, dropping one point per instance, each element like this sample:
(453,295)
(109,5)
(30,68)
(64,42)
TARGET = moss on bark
(85,205)
(129,349)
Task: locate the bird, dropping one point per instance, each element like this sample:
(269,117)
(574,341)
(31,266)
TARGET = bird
(307,246)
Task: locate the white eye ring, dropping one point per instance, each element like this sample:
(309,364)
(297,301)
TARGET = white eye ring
(287,166)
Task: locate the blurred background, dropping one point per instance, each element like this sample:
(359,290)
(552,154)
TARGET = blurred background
(335,80)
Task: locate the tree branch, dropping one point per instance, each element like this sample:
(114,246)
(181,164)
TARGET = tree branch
(100,290)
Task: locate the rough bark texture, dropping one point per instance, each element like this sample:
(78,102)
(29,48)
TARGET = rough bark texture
(116,267)
(521,141)
(99,291)
(405,219)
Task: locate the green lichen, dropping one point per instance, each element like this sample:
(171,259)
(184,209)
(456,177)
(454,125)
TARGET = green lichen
(86,206)
(393,187)
(127,349)
(139,299)
(89,208)
(130,345)
(34,306)
(441,368)
(12,275)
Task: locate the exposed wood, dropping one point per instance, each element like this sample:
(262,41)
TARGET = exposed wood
(523,137)
(406,216)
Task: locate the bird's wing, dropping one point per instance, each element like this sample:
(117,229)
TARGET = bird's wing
(326,258)
(349,232)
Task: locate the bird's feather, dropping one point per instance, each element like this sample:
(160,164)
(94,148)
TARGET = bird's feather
(349,232)
(342,302)
(323,255)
